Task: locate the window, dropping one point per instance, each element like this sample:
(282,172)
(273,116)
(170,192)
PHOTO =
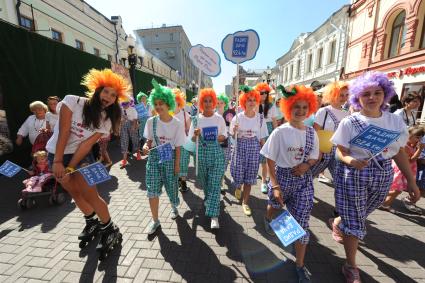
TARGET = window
(171,37)
(423,35)
(332,53)
(298,68)
(309,62)
(79,45)
(27,23)
(57,35)
(291,71)
(319,58)
(109,57)
(398,35)
(96,52)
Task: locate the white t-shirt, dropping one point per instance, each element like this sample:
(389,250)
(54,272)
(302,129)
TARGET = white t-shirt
(271,114)
(249,127)
(52,119)
(172,132)
(129,114)
(78,132)
(329,123)
(31,128)
(215,120)
(180,116)
(286,145)
(409,119)
(346,132)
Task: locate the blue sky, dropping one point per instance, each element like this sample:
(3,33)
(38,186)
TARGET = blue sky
(278,23)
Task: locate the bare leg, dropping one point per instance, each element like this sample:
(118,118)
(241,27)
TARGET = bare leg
(154,204)
(72,188)
(300,253)
(350,245)
(270,212)
(392,195)
(246,193)
(264,172)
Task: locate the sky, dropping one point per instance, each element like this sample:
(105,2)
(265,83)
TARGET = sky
(278,23)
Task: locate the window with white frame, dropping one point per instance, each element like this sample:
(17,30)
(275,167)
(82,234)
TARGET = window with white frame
(332,52)
(319,58)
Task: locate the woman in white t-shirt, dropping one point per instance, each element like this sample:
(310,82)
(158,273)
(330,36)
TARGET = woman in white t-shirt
(52,116)
(34,124)
(210,129)
(411,101)
(327,118)
(268,110)
(82,122)
(251,130)
(129,131)
(362,180)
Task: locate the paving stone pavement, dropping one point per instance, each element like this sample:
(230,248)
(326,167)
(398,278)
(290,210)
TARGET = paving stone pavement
(41,244)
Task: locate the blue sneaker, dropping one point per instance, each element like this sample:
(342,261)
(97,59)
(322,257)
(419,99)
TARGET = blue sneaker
(264,188)
(303,275)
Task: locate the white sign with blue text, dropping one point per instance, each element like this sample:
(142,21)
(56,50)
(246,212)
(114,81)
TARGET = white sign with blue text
(287,228)
(9,169)
(240,46)
(206,59)
(142,110)
(95,173)
(165,152)
(375,139)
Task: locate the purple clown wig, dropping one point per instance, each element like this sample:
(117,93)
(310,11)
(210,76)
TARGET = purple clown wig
(371,79)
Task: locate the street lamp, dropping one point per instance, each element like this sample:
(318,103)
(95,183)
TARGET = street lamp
(132,61)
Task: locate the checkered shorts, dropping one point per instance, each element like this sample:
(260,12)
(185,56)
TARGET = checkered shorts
(126,134)
(328,161)
(359,192)
(298,194)
(184,162)
(245,162)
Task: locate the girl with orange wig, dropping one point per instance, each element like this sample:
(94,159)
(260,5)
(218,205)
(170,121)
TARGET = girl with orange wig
(209,127)
(250,129)
(268,110)
(82,122)
(328,118)
(291,150)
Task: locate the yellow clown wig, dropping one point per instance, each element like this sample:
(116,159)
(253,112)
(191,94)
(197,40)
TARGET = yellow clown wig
(106,78)
(333,91)
(248,92)
(207,92)
(179,97)
(297,93)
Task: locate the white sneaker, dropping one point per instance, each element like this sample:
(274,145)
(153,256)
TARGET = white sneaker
(214,223)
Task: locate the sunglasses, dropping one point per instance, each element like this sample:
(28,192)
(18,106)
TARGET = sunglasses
(264,92)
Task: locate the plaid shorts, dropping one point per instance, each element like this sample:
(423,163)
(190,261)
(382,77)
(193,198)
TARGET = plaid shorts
(126,134)
(359,192)
(159,174)
(245,162)
(328,161)
(184,162)
(298,194)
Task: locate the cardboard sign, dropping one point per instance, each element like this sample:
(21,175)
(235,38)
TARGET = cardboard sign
(375,139)
(9,169)
(142,110)
(165,152)
(210,133)
(95,173)
(287,228)
(240,46)
(206,59)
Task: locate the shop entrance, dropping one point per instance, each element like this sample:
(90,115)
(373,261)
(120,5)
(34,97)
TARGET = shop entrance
(418,87)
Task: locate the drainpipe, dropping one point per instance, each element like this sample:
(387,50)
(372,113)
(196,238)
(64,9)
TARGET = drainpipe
(116,43)
(18,12)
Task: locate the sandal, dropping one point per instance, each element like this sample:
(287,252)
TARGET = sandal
(336,232)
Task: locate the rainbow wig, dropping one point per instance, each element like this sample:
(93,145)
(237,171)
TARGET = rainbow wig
(179,97)
(225,99)
(106,78)
(333,91)
(298,92)
(160,92)
(140,95)
(248,92)
(207,92)
(370,79)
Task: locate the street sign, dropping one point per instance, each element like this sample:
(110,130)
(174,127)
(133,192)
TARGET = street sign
(95,173)
(287,228)
(240,46)
(375,139)
(206,59)
(9,169)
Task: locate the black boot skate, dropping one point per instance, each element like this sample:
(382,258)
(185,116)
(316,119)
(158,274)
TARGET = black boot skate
(89,232)
(110,237)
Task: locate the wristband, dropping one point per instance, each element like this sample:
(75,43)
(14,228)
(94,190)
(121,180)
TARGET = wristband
(69,169)
(275,187)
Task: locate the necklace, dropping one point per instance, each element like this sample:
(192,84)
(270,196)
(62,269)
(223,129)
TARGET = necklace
(35,123)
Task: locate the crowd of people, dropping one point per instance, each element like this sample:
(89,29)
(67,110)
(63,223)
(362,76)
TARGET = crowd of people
(285,137)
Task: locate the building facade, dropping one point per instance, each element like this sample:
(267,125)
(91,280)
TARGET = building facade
(317,55)
(171,45)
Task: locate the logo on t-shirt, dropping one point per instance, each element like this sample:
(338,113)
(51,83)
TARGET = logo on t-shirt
(297,152)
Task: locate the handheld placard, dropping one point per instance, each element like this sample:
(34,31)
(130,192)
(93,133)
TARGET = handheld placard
(10,169)
(94,174)
(287,228)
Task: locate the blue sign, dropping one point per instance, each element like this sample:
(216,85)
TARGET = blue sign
(9,169)
(287,228)
(142,110)
(165,152)
(95,174)
(210,133)
(240,46)
(375,139)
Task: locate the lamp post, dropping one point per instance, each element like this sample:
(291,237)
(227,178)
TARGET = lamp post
(132,61)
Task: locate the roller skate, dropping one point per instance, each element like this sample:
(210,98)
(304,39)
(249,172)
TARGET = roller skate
(110,237)
(89,232)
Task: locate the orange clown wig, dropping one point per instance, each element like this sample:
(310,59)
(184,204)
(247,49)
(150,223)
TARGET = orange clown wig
(106,78)
(333,91)
(180,97)
(297,93)
(248,92)
(207,92)
(263,87)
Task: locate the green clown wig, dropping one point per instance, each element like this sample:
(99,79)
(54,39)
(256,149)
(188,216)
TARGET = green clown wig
(163,93)
(222,97)
(140,95)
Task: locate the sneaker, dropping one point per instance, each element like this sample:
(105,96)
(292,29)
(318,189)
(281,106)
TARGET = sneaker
(303,274)
(246,210)
(238,194)
(264,188)
(352,274)
(411,206)
(336,232)
(268,228)
(174,213)
(324,179)
(138,156)
(214,223)
(153,226)
(123,163)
